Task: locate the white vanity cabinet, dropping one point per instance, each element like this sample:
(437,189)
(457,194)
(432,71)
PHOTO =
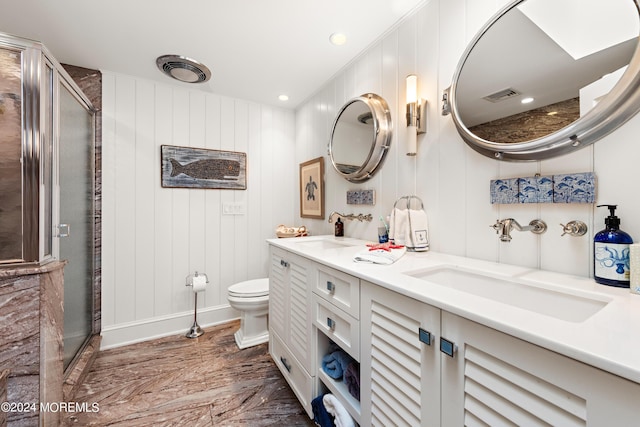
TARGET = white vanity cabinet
(490,378)
(421,365)
(291,345)
(400,363)
(496,379)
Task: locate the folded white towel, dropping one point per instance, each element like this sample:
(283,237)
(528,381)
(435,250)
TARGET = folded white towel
(380,256)
(335,408)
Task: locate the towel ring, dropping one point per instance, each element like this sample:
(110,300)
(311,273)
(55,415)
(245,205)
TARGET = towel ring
(408,200)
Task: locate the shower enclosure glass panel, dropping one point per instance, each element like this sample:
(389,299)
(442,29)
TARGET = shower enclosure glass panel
(10,156)
(76,219)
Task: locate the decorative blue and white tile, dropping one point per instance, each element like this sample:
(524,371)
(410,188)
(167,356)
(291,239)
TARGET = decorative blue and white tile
(504,191)
(535,189)
(574,188)
(361,197)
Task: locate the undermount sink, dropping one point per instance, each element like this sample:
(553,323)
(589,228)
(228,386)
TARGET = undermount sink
(569,305)
(324,244)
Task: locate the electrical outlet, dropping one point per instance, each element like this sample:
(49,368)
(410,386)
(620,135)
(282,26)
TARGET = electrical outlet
(233,208)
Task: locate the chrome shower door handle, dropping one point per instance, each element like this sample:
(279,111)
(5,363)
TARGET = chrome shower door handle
(64,230)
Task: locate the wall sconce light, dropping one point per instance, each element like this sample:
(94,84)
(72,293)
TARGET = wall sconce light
(416,115)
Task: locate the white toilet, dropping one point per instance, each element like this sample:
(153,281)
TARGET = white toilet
(251,299)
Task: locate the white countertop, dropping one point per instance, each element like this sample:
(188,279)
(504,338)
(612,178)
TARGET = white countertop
(609,339)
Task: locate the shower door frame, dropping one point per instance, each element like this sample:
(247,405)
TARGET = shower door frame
(62,79)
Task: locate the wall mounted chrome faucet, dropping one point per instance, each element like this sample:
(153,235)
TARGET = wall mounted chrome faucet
(503,227)
(574,228)
(359,217)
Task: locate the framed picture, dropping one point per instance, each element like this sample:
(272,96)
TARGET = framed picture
(185,167)
(312,188)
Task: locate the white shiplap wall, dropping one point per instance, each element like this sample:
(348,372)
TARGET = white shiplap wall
(452,179)
(153,237)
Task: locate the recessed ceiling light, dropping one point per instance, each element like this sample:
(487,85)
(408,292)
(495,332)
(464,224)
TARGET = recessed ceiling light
(338,39)
(527,100)
(283,98)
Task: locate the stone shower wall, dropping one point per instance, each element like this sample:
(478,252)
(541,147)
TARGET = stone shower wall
(31,343)
(531,124)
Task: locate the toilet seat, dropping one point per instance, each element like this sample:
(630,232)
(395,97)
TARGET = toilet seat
(250,289)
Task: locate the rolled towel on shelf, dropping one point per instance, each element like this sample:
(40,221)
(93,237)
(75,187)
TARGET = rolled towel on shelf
(352,379)
(335,408)
(334,364)
(320,414)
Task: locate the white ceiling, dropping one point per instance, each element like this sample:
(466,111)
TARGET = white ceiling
(256,49)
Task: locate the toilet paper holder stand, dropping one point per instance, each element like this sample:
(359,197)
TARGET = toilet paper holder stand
(195,331)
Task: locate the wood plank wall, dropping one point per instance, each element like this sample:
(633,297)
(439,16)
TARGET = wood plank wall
(154,237)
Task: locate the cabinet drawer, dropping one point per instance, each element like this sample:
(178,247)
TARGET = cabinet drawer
(340,289)
(299,380)
(339,326)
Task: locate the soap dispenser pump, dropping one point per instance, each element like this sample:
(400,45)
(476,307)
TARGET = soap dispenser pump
(611,252)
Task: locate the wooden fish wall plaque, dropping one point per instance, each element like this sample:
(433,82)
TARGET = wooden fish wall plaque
(185,167)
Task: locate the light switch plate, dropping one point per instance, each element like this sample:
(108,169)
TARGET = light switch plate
(233,208)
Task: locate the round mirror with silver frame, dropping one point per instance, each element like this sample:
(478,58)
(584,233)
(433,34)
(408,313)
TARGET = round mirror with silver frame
(606,77)
(360,137)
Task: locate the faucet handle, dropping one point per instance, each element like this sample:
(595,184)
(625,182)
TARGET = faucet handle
(497,226)
(574,228)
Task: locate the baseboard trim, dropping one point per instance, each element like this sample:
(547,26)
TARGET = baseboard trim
(157,327)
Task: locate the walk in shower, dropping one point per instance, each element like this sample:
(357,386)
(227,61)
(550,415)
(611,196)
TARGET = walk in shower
(47,136)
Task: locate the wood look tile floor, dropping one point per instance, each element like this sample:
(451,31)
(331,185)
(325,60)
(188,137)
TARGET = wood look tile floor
(176,381)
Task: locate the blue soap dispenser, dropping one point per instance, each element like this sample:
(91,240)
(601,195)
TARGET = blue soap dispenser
(611,253)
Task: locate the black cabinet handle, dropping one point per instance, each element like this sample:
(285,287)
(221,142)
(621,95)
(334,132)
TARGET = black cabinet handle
(331,324)
(286,365)
(425,336)
(448,347)
(331,287)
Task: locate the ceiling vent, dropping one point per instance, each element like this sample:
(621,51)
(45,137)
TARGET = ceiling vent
(184,69)
(502,95)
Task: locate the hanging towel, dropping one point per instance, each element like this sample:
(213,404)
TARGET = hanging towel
(380,255)
(335,363)
(352,379)
(409,226)
(320,415)
(335,408)
(398,225)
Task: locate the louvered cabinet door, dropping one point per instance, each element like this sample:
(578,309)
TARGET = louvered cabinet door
(494,379)
(278,292)
(399,370)
(299,316)
(290,303)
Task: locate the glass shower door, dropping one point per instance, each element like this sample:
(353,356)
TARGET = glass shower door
(75,231)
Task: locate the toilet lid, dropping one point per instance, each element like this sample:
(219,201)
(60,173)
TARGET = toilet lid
(250,288)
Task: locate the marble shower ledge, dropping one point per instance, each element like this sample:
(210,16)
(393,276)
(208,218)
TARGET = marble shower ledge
(16,270)
(561,188)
